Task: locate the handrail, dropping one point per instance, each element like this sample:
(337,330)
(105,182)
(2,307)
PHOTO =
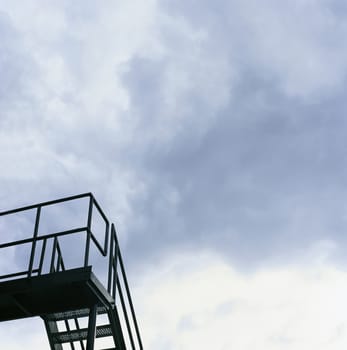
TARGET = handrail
(43,237)
(129,299)
(16,274)
(115,287)
(44,204)
(39,206)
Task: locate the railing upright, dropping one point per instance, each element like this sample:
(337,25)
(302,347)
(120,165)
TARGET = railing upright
(60,261)
(110,264)
(113,263)
(43,251)
(54,250)
(89,231)
(33,247)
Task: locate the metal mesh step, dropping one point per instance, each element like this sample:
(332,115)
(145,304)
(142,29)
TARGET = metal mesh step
(80,334)
(61,316)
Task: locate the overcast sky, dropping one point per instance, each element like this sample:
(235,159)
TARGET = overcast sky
(213,134)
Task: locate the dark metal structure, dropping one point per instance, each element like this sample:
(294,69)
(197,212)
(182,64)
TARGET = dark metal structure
(72,277)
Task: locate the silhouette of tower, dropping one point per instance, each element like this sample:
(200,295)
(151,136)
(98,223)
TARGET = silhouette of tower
(60,260)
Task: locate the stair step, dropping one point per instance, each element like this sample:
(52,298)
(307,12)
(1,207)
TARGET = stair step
(80,334)
(61,316)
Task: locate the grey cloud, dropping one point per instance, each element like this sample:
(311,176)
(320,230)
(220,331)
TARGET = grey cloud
(299,45)
(16,67)
(214,150)
(199,126)
(265,180)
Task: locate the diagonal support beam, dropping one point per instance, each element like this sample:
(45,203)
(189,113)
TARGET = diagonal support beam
(51,328)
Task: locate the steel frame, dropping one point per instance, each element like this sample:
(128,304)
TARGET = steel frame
(109,250)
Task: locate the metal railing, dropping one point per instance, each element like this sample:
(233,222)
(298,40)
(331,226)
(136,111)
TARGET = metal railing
(115,281)
(117,284)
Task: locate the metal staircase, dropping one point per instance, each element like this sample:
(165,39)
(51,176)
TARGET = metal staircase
(82,305)
(76,336)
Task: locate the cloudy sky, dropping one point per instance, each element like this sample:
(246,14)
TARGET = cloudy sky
(213,134)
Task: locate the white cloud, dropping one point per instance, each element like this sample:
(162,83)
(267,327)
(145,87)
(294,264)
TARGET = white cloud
(198,301)
(25,333)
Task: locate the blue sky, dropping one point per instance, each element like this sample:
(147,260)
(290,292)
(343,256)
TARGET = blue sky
(213,134)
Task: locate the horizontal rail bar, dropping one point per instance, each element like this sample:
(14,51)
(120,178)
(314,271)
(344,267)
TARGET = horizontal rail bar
(18,274)
(43,204)
(22,241)
(42,237)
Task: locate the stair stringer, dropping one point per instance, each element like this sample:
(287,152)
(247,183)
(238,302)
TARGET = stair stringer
(116,328)
(51,328)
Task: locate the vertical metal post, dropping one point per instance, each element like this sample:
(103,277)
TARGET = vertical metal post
(89,231)
(92,327)
(110,262)
(54,251)
(114,264)
(33,247)
(60,262)
(107,234)
(43,251)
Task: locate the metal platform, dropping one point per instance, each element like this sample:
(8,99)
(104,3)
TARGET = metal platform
(55,292)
